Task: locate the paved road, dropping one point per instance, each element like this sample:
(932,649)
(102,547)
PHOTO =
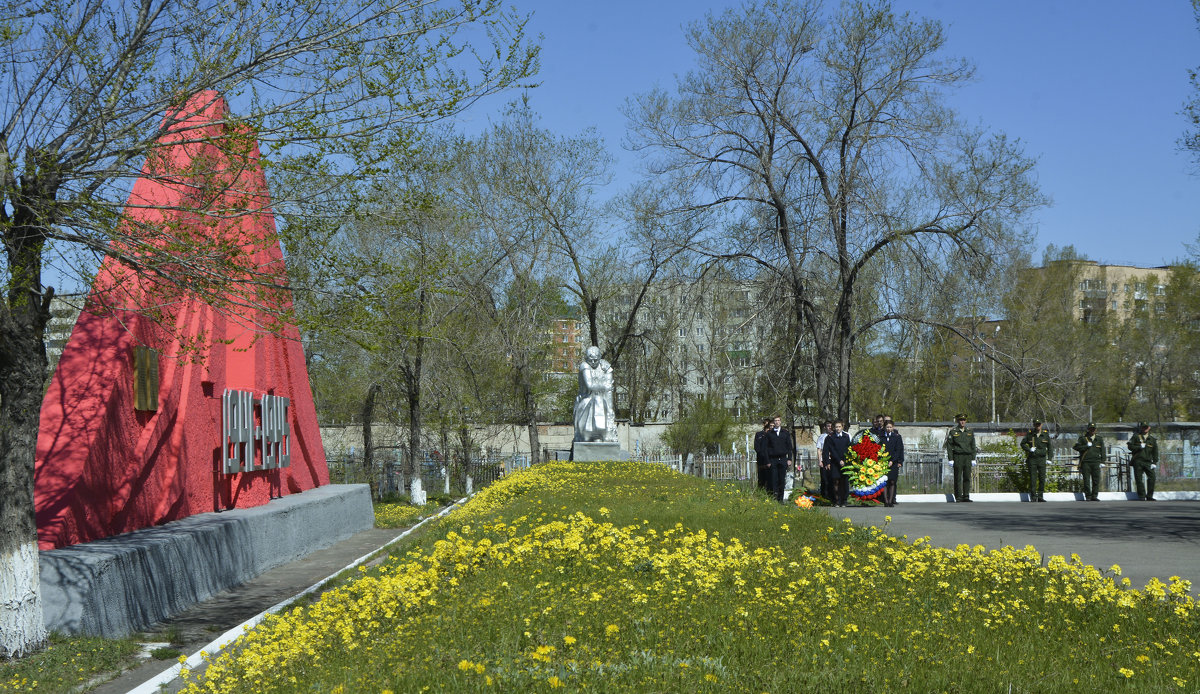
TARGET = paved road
(1160,539)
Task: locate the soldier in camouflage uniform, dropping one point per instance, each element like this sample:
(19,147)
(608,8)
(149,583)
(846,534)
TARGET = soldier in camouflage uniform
(1091,455)
(960,449)
(1143,460)
(1036,445)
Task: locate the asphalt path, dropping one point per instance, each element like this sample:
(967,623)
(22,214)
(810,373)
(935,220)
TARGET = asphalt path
(1159,539)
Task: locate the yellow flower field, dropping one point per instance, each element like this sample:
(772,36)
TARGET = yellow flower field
(401,514)
(629,577)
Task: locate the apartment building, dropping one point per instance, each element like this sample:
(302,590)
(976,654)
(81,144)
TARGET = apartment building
(565,341)
(693,337)
(1119,290)
(63,314)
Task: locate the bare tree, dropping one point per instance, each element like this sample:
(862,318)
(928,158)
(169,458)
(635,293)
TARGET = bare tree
(331,86)
(827,145)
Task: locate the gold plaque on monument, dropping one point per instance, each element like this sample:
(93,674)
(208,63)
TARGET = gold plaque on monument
(145,379)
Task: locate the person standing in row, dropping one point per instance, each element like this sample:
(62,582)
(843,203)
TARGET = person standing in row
(779,452)
(1143,461)
(961,451)
(1036,445)
(761,460)
(877,427)
(836,445)
(1091,454)
(826,430)
(893,443)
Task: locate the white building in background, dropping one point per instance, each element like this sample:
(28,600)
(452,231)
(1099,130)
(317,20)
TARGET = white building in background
(693,338)
(63,314)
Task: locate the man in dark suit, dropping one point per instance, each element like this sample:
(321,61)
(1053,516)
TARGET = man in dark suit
(893,443)
(823,488)
(836,445)
(760,455)
(877,427)
(779,452)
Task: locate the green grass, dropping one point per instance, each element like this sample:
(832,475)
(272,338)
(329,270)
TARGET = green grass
(66,664)
(165,653)
(627,577)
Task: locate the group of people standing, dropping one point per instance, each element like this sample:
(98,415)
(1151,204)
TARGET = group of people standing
(1143,460)
(834,443)
(775,451)
(1038,449)
(774,448)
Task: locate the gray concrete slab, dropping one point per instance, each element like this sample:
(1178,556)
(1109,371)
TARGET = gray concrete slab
(122,584)
(592,451)
(197,626)
(1159,539)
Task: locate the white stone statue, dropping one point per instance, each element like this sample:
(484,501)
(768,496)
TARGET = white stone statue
(595,418)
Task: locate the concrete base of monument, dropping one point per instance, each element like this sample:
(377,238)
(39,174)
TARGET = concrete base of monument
(591,451)
(123,584)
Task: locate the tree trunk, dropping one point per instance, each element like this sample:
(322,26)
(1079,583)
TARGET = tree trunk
(444,431)
(825,379)
(21,628)
(22,374)
(535,445)
(414,432)
(368,416)
(593,310)
(529,404)
(845,346)
(465,435)
(413,386)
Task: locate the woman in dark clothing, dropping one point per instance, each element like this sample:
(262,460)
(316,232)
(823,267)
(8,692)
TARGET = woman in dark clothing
(893,443)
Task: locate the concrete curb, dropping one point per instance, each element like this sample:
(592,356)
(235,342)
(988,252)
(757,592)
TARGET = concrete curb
(1050,496)
(122,584)
(223,641)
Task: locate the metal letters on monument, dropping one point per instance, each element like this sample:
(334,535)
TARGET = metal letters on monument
(239,433)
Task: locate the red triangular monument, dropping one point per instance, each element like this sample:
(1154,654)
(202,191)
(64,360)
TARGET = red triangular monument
(108,461)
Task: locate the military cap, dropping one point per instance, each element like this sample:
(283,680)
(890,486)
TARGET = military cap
(1091,425)
(1142,425)
(1037,422)
(959,416)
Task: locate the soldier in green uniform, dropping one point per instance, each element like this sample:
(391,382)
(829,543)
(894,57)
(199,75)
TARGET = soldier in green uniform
(960,449)
(1143,460)
(1036,445)
(1091,455)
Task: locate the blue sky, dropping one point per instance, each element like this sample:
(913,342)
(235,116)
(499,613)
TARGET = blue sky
(1092,89)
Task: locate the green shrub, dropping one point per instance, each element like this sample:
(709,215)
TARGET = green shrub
(705,427)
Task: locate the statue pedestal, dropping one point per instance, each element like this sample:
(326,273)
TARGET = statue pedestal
(591,451)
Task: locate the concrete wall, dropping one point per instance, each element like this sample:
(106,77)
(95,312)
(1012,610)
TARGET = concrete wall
(341,440)
(122,584)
